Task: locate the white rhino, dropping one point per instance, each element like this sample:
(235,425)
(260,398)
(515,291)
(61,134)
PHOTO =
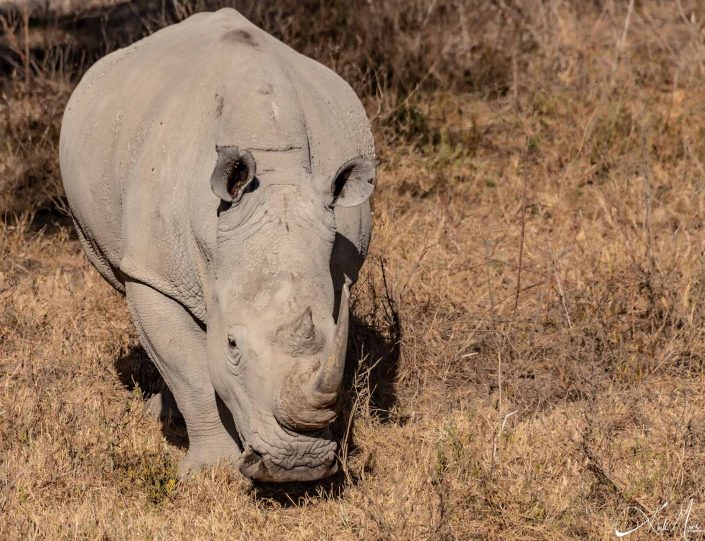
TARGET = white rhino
(221,181)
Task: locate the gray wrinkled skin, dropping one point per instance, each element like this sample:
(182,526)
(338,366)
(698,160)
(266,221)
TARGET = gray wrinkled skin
(221,181)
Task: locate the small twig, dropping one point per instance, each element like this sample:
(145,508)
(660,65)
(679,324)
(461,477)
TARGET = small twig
(358,380)
(500,420)
(25,36)
(672,101)
(499,383)
(515,80)
(488,255)
(346,440)
(463,25)
(621,45)
(627,20)
(499,434)
(561,292)
(392,314)
(648,233)
(521,242)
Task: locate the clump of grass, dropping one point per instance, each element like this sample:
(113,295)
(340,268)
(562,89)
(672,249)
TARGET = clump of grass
(152,473)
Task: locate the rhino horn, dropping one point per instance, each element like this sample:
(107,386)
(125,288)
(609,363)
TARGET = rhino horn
(330,376)
(306,401)
(303,328)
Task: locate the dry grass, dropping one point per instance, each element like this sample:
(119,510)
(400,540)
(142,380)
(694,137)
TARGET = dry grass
(528,360)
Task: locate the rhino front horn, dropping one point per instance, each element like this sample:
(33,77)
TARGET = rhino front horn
(306,401)
(331,375)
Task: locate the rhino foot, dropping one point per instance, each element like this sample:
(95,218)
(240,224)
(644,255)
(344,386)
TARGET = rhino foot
(207,453)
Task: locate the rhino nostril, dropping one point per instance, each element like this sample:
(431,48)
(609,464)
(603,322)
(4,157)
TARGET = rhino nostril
(251,464)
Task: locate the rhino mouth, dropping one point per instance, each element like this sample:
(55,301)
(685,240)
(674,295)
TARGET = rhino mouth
(260,468)
(300,461)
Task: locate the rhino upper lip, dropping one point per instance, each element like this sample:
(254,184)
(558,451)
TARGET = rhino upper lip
(259,466)
(283,447)
(320,450)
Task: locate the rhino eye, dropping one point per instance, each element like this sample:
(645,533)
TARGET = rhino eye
(235,353)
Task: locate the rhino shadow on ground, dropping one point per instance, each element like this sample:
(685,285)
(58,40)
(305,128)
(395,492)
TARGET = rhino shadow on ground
(137,373)
(368,388)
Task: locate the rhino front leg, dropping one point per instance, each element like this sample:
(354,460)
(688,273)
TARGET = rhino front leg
(177,346)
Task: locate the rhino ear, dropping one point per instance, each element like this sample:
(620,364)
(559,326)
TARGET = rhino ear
(352,184)
(234,170)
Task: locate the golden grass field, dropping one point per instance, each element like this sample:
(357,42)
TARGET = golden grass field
(528,355)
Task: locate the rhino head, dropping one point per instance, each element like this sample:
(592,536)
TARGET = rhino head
(277,329)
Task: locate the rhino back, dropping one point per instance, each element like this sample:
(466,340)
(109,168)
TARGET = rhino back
(139,134)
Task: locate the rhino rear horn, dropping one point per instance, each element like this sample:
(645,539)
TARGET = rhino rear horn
(233,172)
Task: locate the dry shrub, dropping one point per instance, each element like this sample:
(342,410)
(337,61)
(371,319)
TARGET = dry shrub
(394,46)
(389,51)
(29,163)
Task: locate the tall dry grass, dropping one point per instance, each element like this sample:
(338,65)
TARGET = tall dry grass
(527,360)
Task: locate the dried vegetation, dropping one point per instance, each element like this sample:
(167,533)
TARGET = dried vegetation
(528,359)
